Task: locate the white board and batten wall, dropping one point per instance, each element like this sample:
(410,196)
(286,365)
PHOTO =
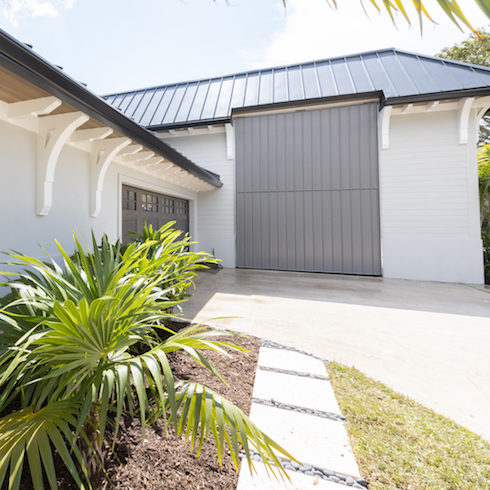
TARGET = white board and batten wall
(430,228)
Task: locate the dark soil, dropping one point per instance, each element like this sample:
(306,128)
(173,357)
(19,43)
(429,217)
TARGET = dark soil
(163,461)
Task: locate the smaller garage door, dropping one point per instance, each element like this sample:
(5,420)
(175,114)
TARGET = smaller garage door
(140,206)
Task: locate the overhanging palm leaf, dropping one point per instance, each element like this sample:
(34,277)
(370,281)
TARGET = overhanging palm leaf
(29,432)
(450,7)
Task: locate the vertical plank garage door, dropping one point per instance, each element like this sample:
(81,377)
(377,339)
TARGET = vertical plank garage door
(307,191)
(140,206)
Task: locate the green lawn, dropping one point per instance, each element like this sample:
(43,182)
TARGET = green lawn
(400,444)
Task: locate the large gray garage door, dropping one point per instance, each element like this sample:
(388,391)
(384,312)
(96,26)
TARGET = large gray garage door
(307,191)
(140,206)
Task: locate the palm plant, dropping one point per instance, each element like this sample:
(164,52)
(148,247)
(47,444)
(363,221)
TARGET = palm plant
(80,346)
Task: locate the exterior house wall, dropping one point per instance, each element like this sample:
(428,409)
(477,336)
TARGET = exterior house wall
(24,231)
(429,200)
(216,208)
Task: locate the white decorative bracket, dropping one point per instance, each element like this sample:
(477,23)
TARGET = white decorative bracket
(91,134)
(53,133)
(103,152)
(230,140)
(385,127)
(464,108)
(33,108)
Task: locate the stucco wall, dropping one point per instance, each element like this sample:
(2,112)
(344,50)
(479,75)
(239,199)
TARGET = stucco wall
(429,200)
(24,231)
(216,208)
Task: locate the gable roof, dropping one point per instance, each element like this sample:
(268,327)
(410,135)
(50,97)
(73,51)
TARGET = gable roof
(393,74)
(21,60)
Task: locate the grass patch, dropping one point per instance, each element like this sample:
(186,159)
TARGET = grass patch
(400,444)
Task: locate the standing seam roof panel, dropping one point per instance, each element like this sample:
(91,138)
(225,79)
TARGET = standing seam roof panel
(398,75)
(185,105)
(441,75)
(417,74)
(211,99)
(174,106)
(466,77)
(265,87)
(342,77)
(199,100)
(163,106)
(359,75)
(223,105)
(327,80)
(252,90)
(295,83)
(378,75)
(310,81)
(280,85)
(238,96)
(134,103)
(152,106)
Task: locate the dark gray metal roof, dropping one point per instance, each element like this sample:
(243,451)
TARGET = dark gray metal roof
(399,75)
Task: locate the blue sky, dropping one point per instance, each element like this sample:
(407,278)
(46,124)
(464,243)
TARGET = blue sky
(120,45)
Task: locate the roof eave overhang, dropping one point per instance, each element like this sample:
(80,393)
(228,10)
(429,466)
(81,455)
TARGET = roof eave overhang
(438,96)
(23,62)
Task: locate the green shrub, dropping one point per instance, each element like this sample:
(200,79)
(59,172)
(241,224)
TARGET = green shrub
(80,345)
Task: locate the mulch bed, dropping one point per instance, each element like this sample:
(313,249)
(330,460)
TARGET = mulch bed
(163,461)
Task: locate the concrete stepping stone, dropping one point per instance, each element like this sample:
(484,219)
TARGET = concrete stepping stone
(290,361)
(314,440)
(303,392)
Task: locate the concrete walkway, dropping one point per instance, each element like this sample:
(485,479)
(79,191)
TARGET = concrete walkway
(294,403)
(430,341)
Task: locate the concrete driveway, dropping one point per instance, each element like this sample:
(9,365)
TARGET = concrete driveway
(430,341)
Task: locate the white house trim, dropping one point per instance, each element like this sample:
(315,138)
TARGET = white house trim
(103,152)
(464,108)
(54,132)
(230,141)
(385,127)
(33,107)
(90,134)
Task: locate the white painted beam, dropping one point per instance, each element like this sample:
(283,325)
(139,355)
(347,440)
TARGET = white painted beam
(150,162)
(406,108)
(90,134)
(137,157)
(385,127)
(130,150)
(53,133)
(464,108)
(33,107)
(230,141)
(103,152)
(432,105)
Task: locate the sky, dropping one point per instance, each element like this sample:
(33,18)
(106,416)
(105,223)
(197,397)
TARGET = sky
(114,46)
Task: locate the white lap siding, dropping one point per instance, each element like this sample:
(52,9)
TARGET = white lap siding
(216,208)
(429,200)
